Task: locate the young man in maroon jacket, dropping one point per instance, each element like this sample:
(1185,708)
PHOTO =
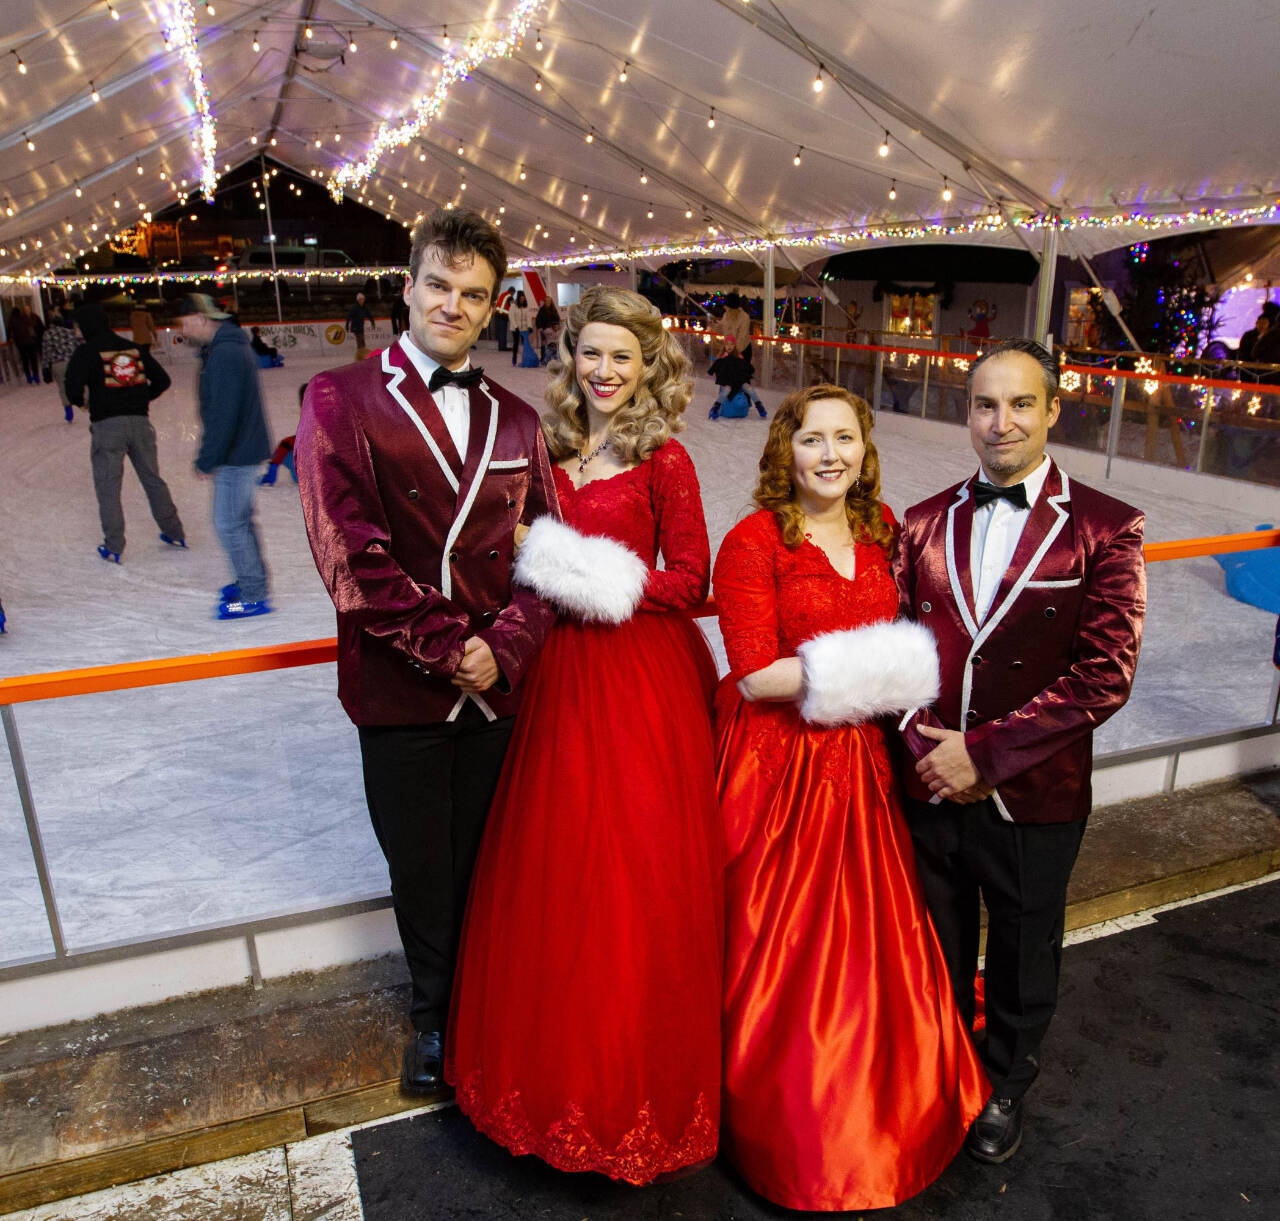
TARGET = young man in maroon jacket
(415,470)
(1034,588)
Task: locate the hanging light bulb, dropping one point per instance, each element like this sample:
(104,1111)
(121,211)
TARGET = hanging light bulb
(688,213)
(537,84)
(257,46)
(893,189)
(818,82)
(306,33)
(253,139)
(115,203)
(502,208)
(711,118)
(649,213)
(585,196)
(444,35)
(537,226)
(622,76)
(112,10)
(946,190)
(351,44)
(572,239)
(22,68)
(883,150)
(395,40)
(460,150)
(165,35)
(537,46)
(796,159)
(208,8)
(31,144)
(79,192)
(317,142)
(273,141)
(523,174)
(138,165)
(337,137)
(422,156)
(644,179)
(591,136)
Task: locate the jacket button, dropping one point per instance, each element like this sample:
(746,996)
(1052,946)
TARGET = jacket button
(511,504)
(413,493)
(971,715)
(976,659)
(493,555)
(487,617)
(1049,612)
(453,557)
(926,607)
(1015,665)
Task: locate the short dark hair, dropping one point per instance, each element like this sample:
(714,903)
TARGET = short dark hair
(733,301)
(455,234)
(1271,309)
(1028,347)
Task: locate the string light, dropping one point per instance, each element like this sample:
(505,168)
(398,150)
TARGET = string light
(644,179)
(93,92)
(947,193)
(31,144)
(208,8)
(444,35)
(591,136)
(622,76)
(253,139)
(351,44)
(317,142)
(818,81)
(395,40)
(711,118)
(537,46)
(22,68)
(883,150)
(257,46)
(649,213)
(79,192)
(585,197)
(306,33)
(796,159)
(183,28)
(138,166)
(523,174)
(893,189)
(112,10)
(537,84)
(460,150)
(688,213)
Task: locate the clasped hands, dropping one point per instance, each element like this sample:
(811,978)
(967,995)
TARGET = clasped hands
(948,770)
(479,669)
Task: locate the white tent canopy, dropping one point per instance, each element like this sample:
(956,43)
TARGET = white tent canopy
(1088,109)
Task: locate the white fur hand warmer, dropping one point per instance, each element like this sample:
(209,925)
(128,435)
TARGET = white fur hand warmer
(867,672)
(594,579)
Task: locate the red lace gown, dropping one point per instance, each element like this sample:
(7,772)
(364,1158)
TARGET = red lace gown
(586,1008)
(850,1080)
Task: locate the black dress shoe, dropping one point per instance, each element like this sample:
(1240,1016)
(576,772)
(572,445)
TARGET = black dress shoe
(423,1071)
(997,1132)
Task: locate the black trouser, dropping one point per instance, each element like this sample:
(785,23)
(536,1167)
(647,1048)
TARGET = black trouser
(966,854)
(429,789)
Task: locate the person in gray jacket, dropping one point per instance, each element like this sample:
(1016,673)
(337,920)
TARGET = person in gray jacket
(121,378)
(233,447)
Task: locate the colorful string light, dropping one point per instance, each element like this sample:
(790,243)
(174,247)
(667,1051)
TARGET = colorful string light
(181,29)
(456,67)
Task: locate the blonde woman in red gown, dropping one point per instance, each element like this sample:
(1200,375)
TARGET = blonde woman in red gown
(850,1080)
(586,1006)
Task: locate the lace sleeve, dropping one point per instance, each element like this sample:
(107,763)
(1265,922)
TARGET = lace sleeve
(682,582)
(745,594)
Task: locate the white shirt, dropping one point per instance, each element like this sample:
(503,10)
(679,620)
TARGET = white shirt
(454,402)
(997,527)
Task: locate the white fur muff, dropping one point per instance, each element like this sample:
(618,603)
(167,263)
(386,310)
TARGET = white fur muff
(868,672)
(597,580)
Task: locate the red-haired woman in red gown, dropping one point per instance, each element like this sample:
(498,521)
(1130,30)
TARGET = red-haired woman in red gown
(586,1005)
(850,1080)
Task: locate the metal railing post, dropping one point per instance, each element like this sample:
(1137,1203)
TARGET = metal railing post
(1117,414)
(877,382)
(1204,429)
(924,388)
(836,379)
(34,838)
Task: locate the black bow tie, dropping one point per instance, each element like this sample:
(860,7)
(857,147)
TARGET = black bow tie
(985,493)
(440,376)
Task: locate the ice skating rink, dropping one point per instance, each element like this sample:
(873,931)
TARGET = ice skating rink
(174,808)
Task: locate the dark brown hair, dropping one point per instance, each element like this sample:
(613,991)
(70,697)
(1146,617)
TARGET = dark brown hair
(776,489)
(457,234)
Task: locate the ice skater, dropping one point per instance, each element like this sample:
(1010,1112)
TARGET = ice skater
(733,373)
(232,449)
(121,379)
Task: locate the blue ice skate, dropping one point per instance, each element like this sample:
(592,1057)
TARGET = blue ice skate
(173,542)
(243,610)
(112,557)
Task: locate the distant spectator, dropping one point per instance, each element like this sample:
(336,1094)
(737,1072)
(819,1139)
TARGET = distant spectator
(357,318)
(268,357)
(60,341)
(547,324)
(26,338)
(521,322)
(1266,348)
(142,324)
(399,315)
(502,318)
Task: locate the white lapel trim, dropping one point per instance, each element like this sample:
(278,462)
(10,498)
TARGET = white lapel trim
(460,518)
(953,574)
(1058,503)
(393,388)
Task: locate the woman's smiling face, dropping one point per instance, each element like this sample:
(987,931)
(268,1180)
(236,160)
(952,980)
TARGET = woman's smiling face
(608,366)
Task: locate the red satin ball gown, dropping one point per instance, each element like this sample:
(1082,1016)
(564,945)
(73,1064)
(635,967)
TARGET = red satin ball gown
(586,1008)
(850,1080)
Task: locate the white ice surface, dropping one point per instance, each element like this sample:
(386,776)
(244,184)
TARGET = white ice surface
(170,808)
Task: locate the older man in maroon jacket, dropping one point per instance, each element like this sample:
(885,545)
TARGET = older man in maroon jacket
(1034,588)
(415,471)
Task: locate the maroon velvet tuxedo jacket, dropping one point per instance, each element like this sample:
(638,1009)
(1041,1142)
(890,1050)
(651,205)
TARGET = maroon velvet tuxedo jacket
(1055,655)
(413,542)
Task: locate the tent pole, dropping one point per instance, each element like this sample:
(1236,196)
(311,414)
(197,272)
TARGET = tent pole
(1044,282)
(770,316)
(271,229)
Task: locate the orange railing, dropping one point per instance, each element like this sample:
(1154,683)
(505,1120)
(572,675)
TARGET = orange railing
(61,683)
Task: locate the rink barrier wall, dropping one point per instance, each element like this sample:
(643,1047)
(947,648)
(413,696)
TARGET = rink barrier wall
(47,989)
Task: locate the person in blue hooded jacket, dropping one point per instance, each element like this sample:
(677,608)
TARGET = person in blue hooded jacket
(233,447)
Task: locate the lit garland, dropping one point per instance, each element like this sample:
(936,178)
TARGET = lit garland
(455,68)
(181,29)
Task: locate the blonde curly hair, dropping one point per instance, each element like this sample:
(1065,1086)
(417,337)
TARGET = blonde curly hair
(654,414)
(776,490)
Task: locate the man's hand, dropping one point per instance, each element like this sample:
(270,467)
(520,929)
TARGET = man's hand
(479,669)
(947,769)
